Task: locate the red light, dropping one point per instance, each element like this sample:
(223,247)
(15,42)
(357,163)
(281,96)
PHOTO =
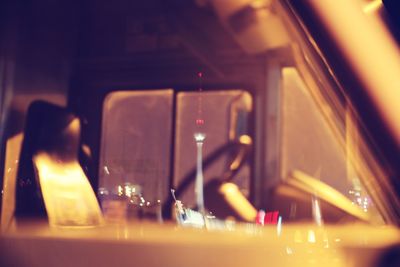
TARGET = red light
(199,121)
(275,217)
(271,217)
(267,218)
(200,74)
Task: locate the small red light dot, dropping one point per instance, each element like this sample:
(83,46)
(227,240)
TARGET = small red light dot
(199,121)
(200,74)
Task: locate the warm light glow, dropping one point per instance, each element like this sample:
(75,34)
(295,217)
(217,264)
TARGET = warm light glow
(372,53)
(238,202)
(120,190)
(311,237)
(298,237)
(327,193)
(373,6)
(68,196)
(245,139)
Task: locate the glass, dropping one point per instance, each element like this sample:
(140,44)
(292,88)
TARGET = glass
(135,153)
(226,115)
(318,164)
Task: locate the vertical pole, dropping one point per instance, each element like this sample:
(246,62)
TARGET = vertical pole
(199,137)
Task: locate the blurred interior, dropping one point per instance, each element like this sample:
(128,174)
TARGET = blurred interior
(113,93)
(124,125)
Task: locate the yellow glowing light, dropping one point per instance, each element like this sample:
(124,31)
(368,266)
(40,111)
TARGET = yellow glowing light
(245,139)
(373,6)
(371,51)
(68,196)
(311,237)
(238,202)
(301,180)
(120,190)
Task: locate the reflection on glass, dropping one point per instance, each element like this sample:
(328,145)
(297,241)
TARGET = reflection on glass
(224,117)
(134,164)
(318,160)
(126,202)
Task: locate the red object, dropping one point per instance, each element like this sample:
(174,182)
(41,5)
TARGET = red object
(275,215)
(199,121)
(271,217)
(200,74)
(268,217)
